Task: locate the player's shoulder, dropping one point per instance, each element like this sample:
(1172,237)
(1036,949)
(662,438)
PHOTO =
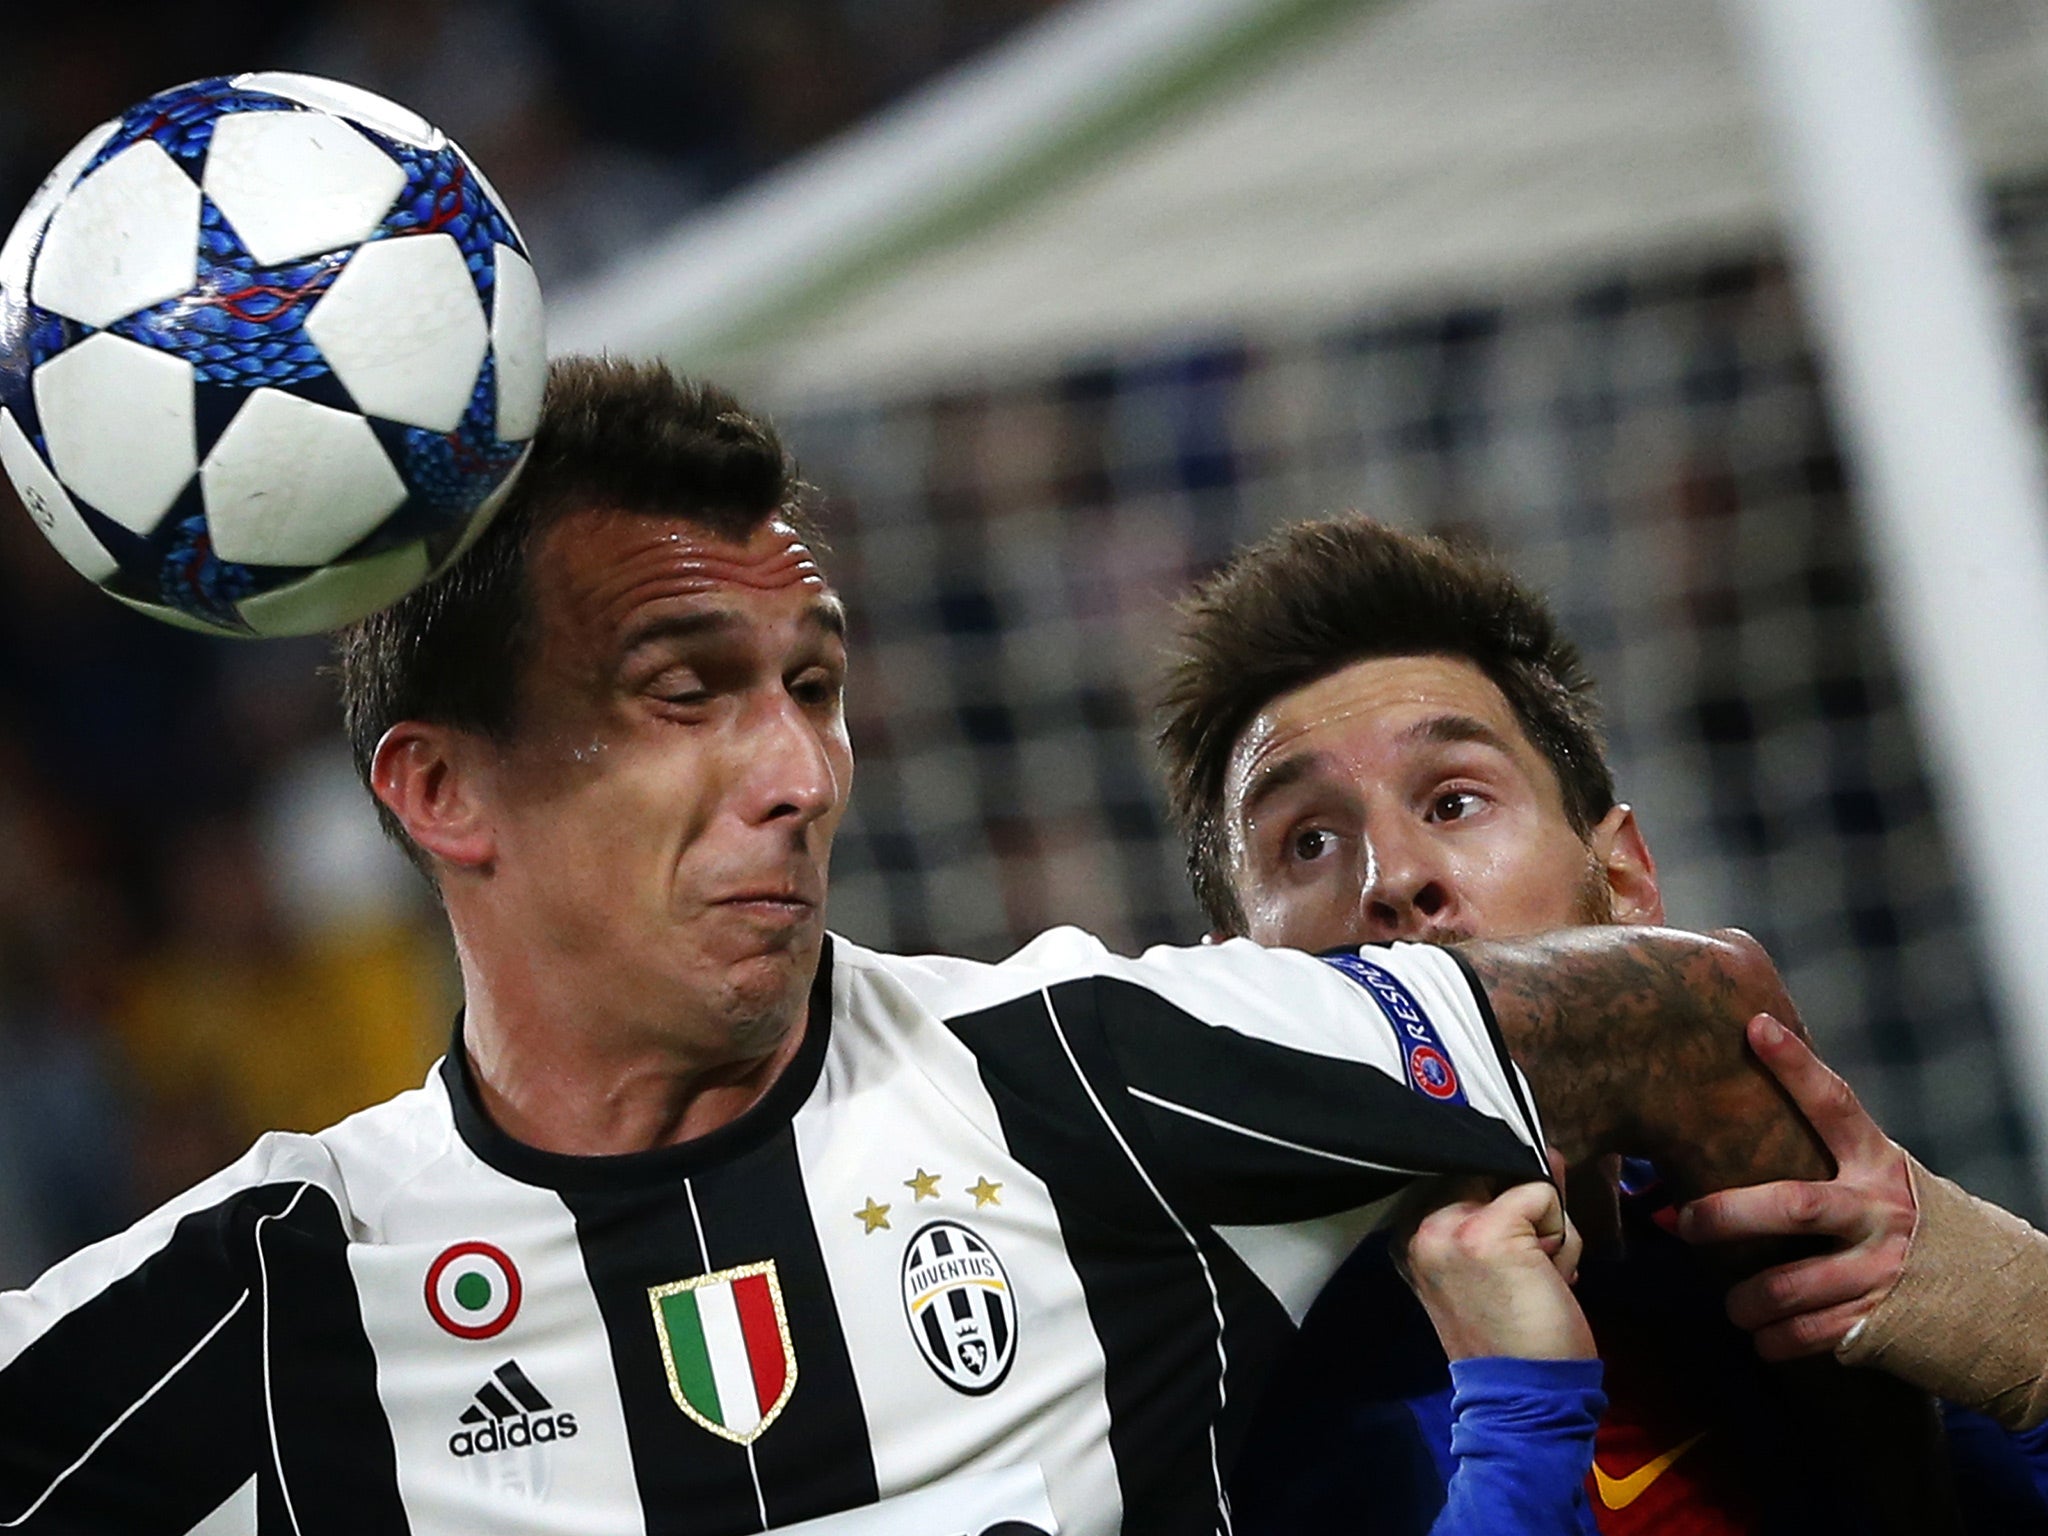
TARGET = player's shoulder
(949,985)
(354,1162)
(1065,954)
(416,1120)
(952,985)
(317,1180)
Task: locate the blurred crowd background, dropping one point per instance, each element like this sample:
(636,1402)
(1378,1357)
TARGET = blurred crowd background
(201,935)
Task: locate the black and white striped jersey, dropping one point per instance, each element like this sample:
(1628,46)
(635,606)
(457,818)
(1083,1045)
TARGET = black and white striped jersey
(1006,1248)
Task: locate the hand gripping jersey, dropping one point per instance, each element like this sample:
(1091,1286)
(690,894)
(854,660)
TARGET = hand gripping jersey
(1007,1249)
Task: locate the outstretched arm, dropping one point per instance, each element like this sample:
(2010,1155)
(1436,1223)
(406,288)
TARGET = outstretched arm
(1633,1040)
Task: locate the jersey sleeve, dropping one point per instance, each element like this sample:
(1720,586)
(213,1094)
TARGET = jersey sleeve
(130,1375)
(1275,1086)
(1276,1099)
(1522,1438)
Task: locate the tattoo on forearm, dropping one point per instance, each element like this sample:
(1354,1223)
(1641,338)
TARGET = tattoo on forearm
(1633,1039)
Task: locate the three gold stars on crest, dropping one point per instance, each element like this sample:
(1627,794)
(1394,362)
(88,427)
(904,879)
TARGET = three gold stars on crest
(925,1186)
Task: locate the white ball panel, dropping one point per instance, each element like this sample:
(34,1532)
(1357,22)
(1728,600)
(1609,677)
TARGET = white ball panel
(169,615)
(21,240)
(295,483)
(297,183)
(403,330)
(126,238)
(118,420)
(520,340)
(50,504)
(339,595)
(366,107)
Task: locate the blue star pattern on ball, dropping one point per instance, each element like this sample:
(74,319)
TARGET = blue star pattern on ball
(443,195)
(241,323)
(29,337)
(182,121)
(177,567)
(193,578)
(451,472)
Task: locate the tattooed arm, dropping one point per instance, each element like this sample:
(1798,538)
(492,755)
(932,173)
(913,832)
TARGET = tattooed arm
(1634,1041)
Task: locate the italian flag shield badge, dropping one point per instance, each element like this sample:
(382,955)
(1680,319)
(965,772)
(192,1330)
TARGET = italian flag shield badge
(725,1343)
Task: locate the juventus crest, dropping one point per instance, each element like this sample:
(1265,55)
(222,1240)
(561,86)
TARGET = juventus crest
(956,1294)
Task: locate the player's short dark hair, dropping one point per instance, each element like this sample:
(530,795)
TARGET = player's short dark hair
(1319,596)
(617,435)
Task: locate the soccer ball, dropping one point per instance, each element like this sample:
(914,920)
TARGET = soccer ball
(270,354)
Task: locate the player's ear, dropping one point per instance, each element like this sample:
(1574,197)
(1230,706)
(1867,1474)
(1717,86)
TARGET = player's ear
(1618,844)
(429,776)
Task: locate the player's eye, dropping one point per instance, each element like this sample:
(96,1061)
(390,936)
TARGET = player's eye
(679,686)
(1311,843)
(1453,805)
(819,689)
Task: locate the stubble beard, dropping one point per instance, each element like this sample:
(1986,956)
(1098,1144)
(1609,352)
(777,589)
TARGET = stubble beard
(1592,907)
(1595,905)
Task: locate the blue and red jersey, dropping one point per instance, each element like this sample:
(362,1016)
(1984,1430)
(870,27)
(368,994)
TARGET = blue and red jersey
(1697,1437)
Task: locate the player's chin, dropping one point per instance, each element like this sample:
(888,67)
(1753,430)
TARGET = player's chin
(768,978)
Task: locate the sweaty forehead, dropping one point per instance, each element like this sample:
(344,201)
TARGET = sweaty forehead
(606,568)
(1379,703)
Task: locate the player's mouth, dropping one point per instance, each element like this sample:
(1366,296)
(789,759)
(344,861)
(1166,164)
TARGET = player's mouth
(770,905)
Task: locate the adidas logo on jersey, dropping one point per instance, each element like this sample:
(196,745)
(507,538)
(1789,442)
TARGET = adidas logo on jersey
(509,1411)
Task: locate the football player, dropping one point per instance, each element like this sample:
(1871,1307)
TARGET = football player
(1370,737)
(709,1221)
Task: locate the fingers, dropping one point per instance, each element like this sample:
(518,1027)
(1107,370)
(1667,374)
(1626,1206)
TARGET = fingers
(1476,1219)
(1569,1252)
(1478,1229)
(1808,1286)
(1807,1307)
(1827,1102)
(1810,1333)
(1536,1206)
(1492,1275)
(1787,1209)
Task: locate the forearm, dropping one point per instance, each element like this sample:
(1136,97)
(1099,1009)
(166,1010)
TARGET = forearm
(1633,1041)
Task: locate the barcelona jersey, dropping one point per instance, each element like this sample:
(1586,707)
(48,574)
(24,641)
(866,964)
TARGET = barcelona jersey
(1698,1437)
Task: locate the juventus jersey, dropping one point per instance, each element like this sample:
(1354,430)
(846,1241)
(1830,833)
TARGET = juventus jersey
(1007,1248)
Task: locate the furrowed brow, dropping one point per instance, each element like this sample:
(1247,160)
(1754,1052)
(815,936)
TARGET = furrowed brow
(828,614)
(1269,781)
(1454,730)
(681,626)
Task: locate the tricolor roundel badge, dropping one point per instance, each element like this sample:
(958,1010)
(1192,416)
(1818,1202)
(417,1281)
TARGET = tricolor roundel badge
(473,1290)
(726,1347)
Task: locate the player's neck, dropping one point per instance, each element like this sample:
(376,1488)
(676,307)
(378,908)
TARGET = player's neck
(569,1074)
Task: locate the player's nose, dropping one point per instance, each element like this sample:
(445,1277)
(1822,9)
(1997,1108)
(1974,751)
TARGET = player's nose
(789,773)
(1408,890)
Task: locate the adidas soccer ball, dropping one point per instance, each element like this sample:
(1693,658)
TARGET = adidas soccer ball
(270,353)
